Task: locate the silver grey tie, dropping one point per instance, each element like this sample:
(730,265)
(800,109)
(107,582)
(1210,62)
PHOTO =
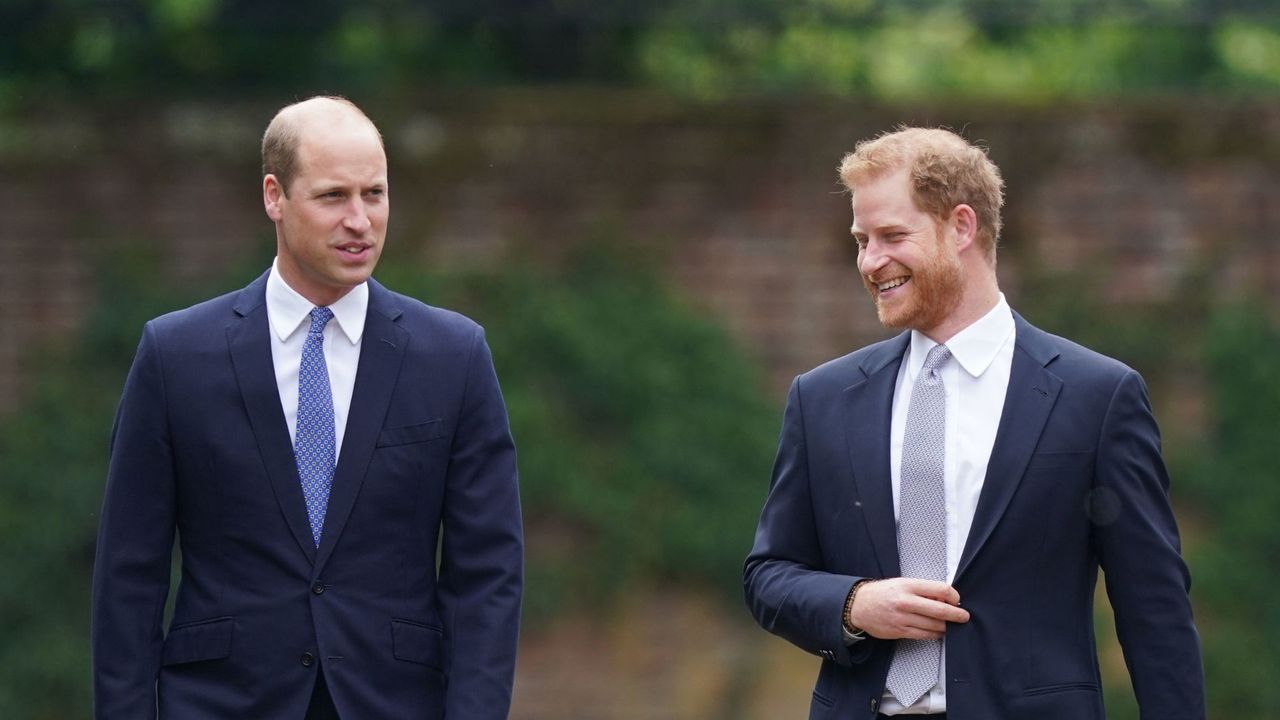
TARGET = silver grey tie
(922,520)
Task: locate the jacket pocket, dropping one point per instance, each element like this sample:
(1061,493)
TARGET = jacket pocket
(1061,687)
(409,434)
(197,641)
(417,643)
(1064,701)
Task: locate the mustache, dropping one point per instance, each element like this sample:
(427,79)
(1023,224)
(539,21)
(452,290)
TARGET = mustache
(889,272)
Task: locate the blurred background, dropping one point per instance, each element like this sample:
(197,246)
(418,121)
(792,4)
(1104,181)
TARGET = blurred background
(639,201)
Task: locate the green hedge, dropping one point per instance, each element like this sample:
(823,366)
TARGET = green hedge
(1034,51)
(644,441)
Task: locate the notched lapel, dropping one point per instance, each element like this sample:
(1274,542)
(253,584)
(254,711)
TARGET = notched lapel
(1032,392)
(250,344)
(381,351)
(868,411)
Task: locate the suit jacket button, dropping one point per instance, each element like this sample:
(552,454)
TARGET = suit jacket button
(875,704)
(318,588)
(308,659)
(828,654)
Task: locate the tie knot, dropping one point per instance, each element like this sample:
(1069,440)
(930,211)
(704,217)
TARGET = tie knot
(319,318)
(936,357)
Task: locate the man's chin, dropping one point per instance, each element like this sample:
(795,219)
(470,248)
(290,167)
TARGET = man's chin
(891,319)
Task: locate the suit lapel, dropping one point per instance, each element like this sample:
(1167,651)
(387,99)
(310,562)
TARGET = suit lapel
(869,404)
(382,348)
(249,340)
(1028,401)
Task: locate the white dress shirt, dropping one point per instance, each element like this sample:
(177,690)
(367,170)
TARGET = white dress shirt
(975,381)
(290,316)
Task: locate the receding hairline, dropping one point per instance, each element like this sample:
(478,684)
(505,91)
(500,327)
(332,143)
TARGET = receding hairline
(297,116)
(283,138)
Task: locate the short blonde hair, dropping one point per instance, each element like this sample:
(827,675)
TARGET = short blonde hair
(945,171)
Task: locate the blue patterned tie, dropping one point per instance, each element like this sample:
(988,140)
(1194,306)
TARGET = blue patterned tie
(314,445)
(922,519)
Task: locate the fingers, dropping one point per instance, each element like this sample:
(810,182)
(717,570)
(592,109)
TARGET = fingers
(923,628)
(939,600)
(942,611)
(914,633)
(934,610)
(939,591)
(907,608)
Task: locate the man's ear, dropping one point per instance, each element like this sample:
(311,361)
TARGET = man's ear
(272,197)
(964,221)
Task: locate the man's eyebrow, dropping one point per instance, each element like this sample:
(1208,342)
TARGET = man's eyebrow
(883,227)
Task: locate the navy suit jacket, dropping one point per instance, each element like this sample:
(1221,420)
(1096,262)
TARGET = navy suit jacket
(1075,483)
(410,603)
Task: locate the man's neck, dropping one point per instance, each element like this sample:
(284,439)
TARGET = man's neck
(976,301)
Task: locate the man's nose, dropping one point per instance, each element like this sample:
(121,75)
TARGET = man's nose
(357,219)
(870,259)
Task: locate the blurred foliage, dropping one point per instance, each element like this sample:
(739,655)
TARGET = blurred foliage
(644,448)
(1156,338)
(1027,51)
(55,452)
(64,47)
(643,437)
(984,49)
(1232,482)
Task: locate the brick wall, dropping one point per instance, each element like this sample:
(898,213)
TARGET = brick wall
(740,201)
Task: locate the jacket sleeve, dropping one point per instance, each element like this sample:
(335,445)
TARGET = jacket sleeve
(135,542)
(482,552)
(1147,581)
(787,589)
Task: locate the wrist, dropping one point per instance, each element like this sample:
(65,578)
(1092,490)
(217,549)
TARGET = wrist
(852,633)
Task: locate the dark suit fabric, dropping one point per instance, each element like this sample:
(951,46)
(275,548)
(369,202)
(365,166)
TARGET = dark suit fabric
(427,469)
(1075,483)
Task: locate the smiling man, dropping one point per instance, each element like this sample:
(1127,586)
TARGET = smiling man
(336,463)
(942,501)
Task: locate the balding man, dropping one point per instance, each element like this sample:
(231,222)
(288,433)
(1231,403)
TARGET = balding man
(336,463)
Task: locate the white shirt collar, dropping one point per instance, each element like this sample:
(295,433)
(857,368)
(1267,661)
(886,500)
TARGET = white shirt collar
(974,347)
(287,310)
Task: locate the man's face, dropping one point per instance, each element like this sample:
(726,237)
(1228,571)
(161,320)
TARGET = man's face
(332,223)
(907,260)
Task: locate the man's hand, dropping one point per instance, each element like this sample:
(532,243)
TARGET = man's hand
(906,608)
